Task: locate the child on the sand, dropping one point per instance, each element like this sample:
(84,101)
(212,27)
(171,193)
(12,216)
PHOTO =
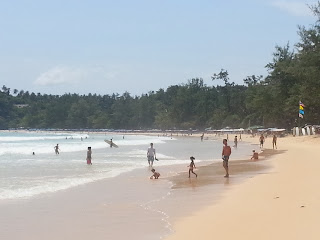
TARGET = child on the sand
(255,155)
(192,166)
(155,174)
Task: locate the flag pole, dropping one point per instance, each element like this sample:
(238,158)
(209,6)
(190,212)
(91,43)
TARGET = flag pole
(299,115)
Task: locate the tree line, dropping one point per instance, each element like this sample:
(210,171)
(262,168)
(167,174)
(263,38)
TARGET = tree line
(271,101)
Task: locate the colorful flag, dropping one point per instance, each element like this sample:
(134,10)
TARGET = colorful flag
(301,109)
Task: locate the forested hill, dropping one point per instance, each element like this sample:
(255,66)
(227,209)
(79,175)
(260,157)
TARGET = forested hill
(272,101)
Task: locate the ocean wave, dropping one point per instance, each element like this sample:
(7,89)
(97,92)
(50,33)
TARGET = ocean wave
(54,185)
(41,138)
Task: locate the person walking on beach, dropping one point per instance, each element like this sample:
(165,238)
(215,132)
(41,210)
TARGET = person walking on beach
(89,152)
(235,141)
(201,137)
(192,166)
(151,155)
(261,139)
(155,174)
(56,148)
(274,141)
(226,152)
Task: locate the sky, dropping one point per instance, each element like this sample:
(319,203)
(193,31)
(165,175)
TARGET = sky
(105,47)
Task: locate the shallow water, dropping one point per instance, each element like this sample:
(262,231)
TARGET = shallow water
(24,175)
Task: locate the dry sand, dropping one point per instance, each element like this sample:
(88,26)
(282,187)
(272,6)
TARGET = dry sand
(283,204)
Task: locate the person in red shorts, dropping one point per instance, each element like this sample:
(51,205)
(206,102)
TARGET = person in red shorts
(89,156)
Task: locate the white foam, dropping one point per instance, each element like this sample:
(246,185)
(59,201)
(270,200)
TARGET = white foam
(42,138)
(49,186)
(138,142)
(25,145)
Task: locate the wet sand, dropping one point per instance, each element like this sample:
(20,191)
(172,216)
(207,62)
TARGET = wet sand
(115,208)
(212,173)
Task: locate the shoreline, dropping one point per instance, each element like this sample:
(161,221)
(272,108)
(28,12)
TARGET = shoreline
(189,145)
(279,204)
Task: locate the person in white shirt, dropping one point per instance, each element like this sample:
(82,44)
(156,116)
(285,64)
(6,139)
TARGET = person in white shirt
(151,154)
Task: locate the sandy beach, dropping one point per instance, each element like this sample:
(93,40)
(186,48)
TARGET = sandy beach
(283,203)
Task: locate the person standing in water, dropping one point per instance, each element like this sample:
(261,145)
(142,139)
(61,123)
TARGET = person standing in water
(89,152)
(56,148)
(151,154)
(235,141)
(226,152)
(192,166)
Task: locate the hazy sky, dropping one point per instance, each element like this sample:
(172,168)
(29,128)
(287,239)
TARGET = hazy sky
(104,47)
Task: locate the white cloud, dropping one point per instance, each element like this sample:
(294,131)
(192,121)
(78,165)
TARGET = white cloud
(59,75)
(69,75)
(299,9)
